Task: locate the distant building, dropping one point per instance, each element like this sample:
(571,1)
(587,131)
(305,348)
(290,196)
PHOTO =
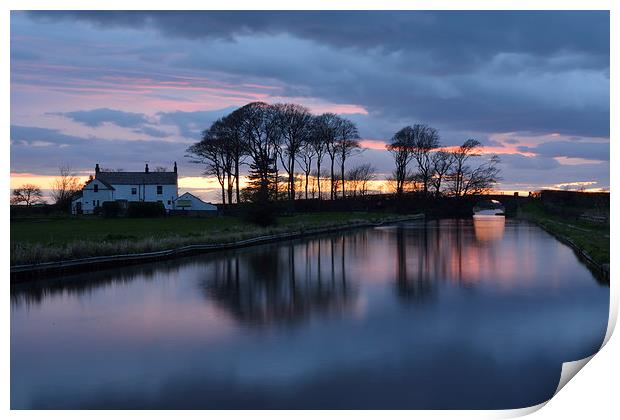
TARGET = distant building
(126,187)
(192,205)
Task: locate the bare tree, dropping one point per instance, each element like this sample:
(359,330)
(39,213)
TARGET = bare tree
(460,156)
(327,130)
(483,178)
(359,177)
(322,133)
(425,140)
(306,156)
(401,149)
(237,146)
(64,187)
(160,169)
(262,136)
(220,131)
(27,194)
(442,163)
(347,144)
(210,152)
(463,179)
(294,122)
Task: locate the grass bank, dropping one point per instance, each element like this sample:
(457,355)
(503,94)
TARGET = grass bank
(590,239)
(38,240)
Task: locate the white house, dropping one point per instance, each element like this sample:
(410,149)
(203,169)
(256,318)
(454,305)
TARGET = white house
(192,203)
(127,186)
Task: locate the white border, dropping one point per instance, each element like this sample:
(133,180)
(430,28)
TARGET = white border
(593,394)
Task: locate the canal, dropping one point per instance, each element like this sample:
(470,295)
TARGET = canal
(445,314)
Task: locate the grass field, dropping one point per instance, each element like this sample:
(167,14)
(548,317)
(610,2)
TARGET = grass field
(54,239)
(591,237)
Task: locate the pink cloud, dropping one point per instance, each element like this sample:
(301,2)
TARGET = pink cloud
(373,144)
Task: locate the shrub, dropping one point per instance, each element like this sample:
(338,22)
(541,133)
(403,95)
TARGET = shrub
(110,209)
(145,209)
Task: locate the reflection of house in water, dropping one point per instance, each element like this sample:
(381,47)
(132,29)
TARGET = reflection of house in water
(282,282)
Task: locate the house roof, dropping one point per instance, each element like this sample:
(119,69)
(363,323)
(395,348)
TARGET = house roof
(106,184)
(190,194)
(137,178)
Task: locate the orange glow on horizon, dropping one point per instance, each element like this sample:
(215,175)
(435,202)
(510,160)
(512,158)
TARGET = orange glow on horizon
(208,188)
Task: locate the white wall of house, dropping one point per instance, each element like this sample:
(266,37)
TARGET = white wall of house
(92,198)
(167,197)
(196,203)
(147,193)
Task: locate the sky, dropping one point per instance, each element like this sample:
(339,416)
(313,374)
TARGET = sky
(122,88)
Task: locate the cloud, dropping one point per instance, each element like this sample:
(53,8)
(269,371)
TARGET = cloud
(518,161)
(191,124)
(495,76)
(31,136)
(479,71)
(152,132)
(450,37)
(97,117)
(42,151)
(570,149)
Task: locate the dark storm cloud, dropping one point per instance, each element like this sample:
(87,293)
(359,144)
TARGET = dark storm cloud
(485,71)
(455,34)
(584,150)
(97,117)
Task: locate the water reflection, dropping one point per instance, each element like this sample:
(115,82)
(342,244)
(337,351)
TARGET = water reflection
(282,283)
(289,280)
(489,228)
(415,278)
(446,314)
(441,251)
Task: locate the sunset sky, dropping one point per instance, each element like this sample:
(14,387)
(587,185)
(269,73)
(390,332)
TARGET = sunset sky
(122,88)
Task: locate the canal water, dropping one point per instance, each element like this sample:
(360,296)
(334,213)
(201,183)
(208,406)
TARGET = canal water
(450,314)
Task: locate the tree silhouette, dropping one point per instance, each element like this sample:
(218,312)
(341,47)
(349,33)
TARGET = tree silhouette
(27,194)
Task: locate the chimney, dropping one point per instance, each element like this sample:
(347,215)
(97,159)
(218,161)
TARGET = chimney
(96,168)
(175,167)
(146,168)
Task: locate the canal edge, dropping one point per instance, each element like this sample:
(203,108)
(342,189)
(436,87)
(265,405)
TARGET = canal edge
(29,272)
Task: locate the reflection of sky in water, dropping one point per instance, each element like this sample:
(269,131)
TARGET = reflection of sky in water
(446,314)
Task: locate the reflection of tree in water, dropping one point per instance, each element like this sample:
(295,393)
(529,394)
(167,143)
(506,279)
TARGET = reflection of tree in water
(413,281)
(445,250)
(35,292)
(282,282)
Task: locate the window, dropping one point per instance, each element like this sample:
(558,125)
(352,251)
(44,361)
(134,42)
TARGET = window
(160,190)
(96,188)
(168,202)
(134,191)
